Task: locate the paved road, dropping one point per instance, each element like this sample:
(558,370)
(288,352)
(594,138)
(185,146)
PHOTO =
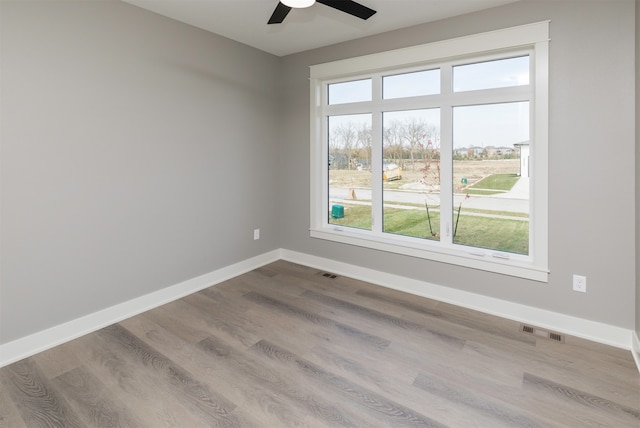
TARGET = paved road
(515,200)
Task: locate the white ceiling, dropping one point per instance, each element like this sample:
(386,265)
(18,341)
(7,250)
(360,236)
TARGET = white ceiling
(246,20)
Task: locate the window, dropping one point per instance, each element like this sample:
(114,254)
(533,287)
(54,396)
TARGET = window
(437,151)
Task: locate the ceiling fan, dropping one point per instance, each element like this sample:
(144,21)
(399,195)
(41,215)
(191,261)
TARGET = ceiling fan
(348,6)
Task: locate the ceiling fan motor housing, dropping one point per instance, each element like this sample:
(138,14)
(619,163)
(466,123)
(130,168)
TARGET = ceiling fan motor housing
(347,6)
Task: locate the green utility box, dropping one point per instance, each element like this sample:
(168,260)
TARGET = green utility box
(337,211)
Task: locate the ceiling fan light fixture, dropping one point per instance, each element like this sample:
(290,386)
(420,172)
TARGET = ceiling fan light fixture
(298,4)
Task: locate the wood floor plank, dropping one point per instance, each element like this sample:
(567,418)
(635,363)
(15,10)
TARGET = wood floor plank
(183,316)
(56,361)
(36,399)
(93,402)
(300,314)
(9,416)
(227,320)
(501,414)
(568,371)
(261,402)
(313,280)
(563,410)
(606,367)
(409,310)
(262,321)
(231,371)
(395,413)
(286,346)
(611,410)
(372,373)
(201,318)
(193,394)
(478,322)
(383,318)
(153,401)
(316,405)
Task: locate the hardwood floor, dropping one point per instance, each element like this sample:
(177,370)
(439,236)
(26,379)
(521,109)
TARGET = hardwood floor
(285,346)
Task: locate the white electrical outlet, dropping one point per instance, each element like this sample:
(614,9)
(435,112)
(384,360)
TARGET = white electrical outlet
(580,283)
(256,234)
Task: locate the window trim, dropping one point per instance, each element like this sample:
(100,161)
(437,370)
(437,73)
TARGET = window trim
(532,36)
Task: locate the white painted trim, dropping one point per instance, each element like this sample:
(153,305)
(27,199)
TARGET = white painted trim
(635,349)
(586,329)
(523,35)
(591,330)
(46,339)
(400,245)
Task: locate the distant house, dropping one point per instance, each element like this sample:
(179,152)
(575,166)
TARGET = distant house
(469,152)
(491,151)
(504,151)
(461,152)
(475,151)
(523,148)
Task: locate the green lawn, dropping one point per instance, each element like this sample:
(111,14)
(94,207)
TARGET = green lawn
(511,236)
(484,232)
(412,223)
(493,184)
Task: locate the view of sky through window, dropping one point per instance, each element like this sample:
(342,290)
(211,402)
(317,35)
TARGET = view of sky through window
(491,74)
(501,124)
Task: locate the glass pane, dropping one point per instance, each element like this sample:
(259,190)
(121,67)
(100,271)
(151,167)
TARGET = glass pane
(491,176)
(411,84)
(350,170)
(491,74)
(350,92)
(411,173)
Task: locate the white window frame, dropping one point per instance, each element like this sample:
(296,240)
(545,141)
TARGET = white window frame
(533,38)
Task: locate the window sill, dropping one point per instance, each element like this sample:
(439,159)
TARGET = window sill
(485,260)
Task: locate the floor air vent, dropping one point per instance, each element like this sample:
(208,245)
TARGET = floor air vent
(541,333)
(557,337)
(329,275)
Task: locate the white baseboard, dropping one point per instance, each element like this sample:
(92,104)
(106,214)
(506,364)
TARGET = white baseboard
(46,339)
(635,349)
(591,330)
(24,347)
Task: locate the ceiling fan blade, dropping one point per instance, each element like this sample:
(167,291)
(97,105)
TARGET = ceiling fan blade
(279,13)
(350,7)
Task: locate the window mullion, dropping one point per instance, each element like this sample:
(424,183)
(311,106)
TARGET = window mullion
(446,159)
(376,157)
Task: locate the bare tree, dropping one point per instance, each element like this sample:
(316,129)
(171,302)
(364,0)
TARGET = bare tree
(393,135)
(431,167)
(364,141)
(344,138)
(415,135)
(431,156)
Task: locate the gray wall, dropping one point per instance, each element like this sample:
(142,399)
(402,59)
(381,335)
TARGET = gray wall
(137,152)
(591,173)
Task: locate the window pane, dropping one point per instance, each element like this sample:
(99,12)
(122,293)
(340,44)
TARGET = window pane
(411,173)
(411,84)
(350,170)
(350,92)
(491,74)
(491,176)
